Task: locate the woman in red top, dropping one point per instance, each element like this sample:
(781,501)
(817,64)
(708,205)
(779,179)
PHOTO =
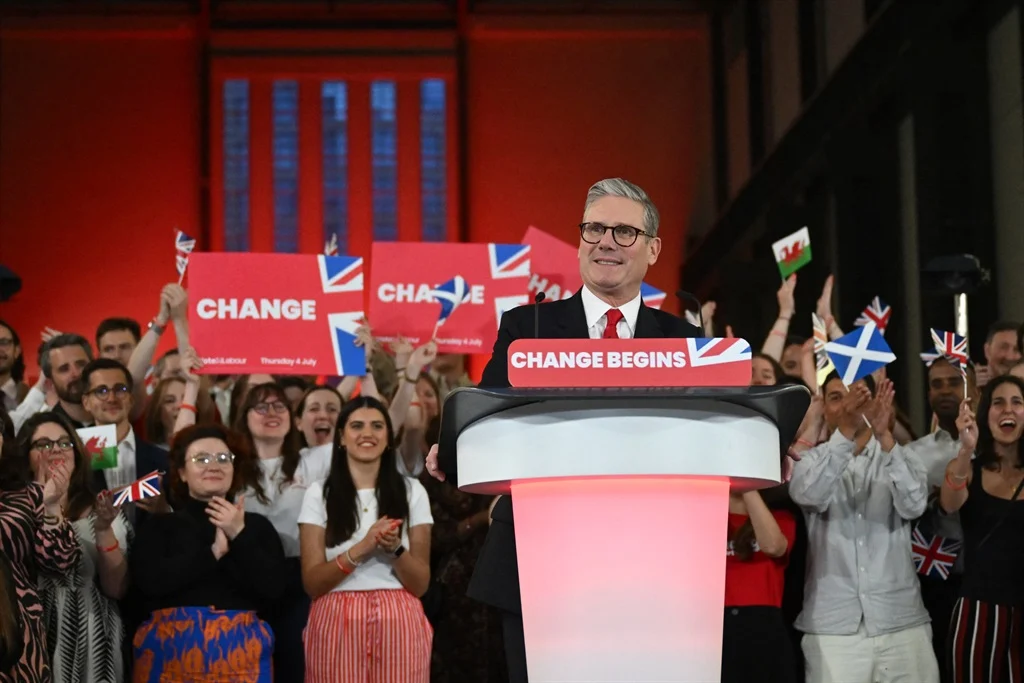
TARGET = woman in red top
(755,643)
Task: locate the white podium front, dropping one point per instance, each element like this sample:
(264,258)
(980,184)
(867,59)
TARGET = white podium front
(621,502)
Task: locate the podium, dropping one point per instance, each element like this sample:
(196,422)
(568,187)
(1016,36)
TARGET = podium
(620,498)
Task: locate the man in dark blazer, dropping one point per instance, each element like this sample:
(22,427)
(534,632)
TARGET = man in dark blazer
(618,242)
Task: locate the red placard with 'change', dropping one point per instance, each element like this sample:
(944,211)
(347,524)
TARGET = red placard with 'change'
(550,363)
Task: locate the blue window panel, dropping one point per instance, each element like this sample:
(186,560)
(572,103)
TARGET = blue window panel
(433,158)
(286,166)
(384,154)
(236,164)
(334,110)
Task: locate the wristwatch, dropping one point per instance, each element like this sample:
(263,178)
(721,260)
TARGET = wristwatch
(398,551)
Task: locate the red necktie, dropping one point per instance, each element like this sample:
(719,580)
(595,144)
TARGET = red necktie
(613,317)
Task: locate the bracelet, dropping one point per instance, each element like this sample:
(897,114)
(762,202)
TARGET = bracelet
(348,556)
(117,544)
(341,565)
(779,333)
(189,406)
(411,380)
(956,487)
(805,442)
(157,327)
(785,317)
(52,520)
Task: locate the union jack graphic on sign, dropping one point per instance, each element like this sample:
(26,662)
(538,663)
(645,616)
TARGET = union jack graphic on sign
(717,351)
(144,487)
(344,274)
(509,260)
(933,555)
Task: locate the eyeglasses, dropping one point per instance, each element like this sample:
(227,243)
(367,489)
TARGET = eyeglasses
(207,459)
(265,408)
(624,235)
(103,391)
(47,446)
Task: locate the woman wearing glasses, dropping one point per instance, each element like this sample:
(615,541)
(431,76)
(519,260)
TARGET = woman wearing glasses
(80,609)
(205,571)
(35,537)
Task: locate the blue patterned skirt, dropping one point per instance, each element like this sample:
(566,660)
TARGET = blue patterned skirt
(203,645)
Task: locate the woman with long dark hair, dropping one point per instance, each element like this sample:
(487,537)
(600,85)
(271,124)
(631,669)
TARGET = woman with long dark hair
(36,538)
(206,571)
(983,483)
(365,536)
(80,610)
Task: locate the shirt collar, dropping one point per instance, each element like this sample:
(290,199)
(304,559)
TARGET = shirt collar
(10,387)
(129,440)
(595,309)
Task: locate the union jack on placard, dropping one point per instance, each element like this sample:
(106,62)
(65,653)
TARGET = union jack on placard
(714,351)
(651,296)
(341,274)
(951,345)
(509,260)
(877,312)
(144,487)
(933,555)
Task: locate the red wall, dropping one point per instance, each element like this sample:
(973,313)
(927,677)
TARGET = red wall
(100,148)
(554,108)
(99,161)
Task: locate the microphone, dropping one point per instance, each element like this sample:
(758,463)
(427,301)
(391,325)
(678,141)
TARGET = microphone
(536,314)
(686,298)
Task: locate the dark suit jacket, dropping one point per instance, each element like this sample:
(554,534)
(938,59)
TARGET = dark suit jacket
(496,577)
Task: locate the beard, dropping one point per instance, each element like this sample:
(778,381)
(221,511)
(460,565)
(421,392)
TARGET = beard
(70,393)
(6,364)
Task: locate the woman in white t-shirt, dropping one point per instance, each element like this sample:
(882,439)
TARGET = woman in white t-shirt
(365,537)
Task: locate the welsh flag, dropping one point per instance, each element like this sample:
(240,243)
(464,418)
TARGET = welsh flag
(101,445)
(793,252)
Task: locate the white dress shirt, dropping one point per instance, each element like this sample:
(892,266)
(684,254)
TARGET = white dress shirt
(935,451)
(597,319)
(9,394)
(126,471)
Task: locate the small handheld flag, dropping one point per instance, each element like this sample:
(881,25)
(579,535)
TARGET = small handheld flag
(823,364)
(101,446)
(933,555)
(450,295)
(953,348)
(877,312)
(331,246)
(793,252)
(859,353)
(183,246)
(144,487)
(929,357)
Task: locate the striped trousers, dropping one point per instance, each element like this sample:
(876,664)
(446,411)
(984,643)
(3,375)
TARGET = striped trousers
(378,636)
(984,644)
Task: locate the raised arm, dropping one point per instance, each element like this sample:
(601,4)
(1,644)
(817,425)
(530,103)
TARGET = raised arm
(959,471)
(420,358)
(111,546)
(824,309)
(775,343)
(142,357)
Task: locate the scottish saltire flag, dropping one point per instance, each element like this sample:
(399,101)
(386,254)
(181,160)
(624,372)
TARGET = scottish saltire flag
(877,312)
(450,295)
(712,351)
(859,353)
(331,246)
(509,260)
(144,487)
(933,555)
(344,274)
(793,252)
(951,345)
(651,296)
(822,363)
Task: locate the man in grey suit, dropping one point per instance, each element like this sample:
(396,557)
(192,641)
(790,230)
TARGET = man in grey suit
(618,243)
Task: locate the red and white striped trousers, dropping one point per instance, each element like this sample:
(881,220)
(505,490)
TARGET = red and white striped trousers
(984,643)
(367,637)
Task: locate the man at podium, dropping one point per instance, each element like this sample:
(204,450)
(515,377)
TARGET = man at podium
(618,243)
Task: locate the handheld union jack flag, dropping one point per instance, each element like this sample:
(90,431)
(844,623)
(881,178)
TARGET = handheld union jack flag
(144,487)
(822,363)
(331,246)
(951,345)
(877,312)
(933,555)
(929,357)
(715,351)
(183,246)
(450,295)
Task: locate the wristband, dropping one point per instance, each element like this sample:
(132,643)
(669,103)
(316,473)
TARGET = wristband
(117,544)
(411,380)
(52,520)
(785,317)
(189,406)
(779,333)
(398,551)
(341,565)
(348,556)
(956,487)
(805,442)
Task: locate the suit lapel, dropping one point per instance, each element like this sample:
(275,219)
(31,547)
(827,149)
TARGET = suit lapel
(647,326)
(573,324)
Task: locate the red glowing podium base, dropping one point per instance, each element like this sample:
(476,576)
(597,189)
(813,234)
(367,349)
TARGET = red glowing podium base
(620,497)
